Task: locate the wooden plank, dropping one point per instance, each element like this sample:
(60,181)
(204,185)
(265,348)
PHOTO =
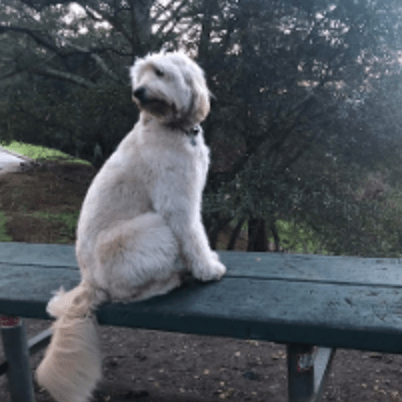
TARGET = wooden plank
(359,317)
(53,255)
(264,296)
(312,268)
(278,311)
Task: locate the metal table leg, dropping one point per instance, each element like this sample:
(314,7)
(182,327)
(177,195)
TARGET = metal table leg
(307,372)
(16,351)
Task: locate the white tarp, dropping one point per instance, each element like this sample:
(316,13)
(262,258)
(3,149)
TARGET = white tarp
(9,161)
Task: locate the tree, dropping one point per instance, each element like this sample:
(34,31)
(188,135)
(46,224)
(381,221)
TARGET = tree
(296,124)
(80,56)
(297,73)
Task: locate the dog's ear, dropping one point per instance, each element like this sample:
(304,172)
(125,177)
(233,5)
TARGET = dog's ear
(200,95)
(134,72)
(136,68)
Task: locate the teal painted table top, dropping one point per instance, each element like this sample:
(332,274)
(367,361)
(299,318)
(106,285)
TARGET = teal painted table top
(343,302)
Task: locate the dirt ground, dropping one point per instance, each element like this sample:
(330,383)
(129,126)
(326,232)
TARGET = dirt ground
(151,366)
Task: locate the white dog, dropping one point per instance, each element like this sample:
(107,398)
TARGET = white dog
(142,211)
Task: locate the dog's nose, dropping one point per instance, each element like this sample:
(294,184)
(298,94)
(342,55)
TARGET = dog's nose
(139,94)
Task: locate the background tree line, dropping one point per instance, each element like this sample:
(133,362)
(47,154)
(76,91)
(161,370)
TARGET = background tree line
(305,121)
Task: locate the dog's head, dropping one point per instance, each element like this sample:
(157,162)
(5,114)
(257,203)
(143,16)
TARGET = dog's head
(171,87)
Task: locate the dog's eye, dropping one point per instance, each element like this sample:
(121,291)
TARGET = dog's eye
(159,73)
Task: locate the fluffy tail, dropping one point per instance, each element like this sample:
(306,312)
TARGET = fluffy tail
(72,363)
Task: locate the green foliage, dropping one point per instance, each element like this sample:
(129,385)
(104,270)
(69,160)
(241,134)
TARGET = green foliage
(3,234)
(76,123)
(299,238)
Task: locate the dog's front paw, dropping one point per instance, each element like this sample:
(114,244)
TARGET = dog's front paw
(212,272)
(215,256)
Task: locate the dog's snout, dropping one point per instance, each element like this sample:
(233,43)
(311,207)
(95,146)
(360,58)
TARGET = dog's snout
(139,94)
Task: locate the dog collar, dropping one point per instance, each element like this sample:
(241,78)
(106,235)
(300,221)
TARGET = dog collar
(191,133)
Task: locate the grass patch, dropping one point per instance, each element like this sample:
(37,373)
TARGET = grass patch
(68,219)
(3,232)
(39,152)
(42,205)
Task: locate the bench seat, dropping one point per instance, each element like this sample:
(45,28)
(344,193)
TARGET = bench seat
(333,302)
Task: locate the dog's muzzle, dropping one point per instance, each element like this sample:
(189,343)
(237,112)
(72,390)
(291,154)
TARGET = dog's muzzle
(145,100)
(140,94)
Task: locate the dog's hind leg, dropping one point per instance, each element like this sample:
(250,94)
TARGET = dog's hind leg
(158,287)
(135,258)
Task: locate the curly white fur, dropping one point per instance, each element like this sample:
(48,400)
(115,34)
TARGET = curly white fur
(142,211)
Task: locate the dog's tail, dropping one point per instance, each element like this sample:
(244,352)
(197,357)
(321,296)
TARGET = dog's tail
(72,363)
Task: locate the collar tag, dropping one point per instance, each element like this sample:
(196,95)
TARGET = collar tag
(192,133)
(193,142)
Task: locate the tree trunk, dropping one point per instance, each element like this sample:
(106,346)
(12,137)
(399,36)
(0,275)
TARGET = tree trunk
(235,234)
(257,235)
(275,234)
(213,227)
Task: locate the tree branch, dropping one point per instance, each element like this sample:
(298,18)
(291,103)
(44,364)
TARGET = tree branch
(61,53)
(39,5)
(173,17)
(112,21)
(98,60)
(33,34)
(63,75)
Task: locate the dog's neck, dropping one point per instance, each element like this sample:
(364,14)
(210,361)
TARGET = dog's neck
(191,131)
